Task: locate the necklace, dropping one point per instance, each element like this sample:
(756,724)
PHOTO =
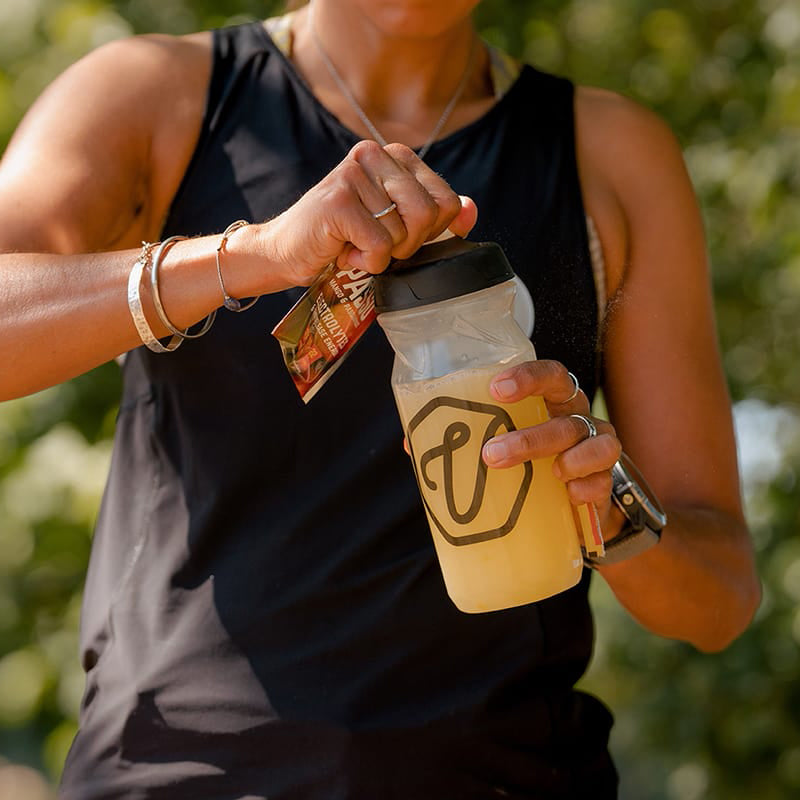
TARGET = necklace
(362,115)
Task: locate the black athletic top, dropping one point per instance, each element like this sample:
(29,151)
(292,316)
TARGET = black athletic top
(264,615)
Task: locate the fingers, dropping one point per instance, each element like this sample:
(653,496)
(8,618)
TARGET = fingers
(589,455)
(387,191)
(425,203)
(581,458)
(547,379)
(577,454)
(595,489)
(342,217)
(466,218)
(583,463)
(432,205)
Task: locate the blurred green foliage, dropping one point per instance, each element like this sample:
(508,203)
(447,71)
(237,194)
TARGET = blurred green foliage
(726,75)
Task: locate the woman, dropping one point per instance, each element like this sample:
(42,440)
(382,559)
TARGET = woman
(263,614)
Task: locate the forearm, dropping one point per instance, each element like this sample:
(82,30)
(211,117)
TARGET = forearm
(65,314)
(698,585)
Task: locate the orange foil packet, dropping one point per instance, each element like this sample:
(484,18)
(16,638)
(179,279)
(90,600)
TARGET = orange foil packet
(319,330)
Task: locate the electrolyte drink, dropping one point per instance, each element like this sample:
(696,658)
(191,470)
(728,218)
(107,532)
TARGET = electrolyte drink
(504,537)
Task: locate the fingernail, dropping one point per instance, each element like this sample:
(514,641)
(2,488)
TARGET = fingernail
(505,387)
(557,470)
(495,451)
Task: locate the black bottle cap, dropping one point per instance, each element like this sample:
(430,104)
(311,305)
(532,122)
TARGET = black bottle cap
(439,271)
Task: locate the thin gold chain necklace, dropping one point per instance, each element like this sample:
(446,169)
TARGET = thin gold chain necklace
(362,115)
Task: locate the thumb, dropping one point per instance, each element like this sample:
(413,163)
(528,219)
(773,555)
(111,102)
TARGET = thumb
(466,218)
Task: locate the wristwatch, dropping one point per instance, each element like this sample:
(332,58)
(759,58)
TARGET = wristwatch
(644,517)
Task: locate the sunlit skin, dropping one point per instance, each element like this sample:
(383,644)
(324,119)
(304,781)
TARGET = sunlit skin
(105,183)
(403,20)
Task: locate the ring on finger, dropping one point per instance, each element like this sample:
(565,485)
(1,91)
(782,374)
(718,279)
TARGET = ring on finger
(590,428)
(575,390)
(388,210)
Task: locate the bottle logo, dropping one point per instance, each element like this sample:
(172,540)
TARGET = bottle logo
(449,434)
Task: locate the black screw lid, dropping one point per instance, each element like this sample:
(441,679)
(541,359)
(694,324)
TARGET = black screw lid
(439,271)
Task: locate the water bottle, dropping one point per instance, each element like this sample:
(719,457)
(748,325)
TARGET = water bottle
(503,537)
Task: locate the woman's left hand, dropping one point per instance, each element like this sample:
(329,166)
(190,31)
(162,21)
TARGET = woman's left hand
(582,461)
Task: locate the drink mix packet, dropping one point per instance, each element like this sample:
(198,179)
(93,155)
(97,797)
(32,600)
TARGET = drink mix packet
(319,330)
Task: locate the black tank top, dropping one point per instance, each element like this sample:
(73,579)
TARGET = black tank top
(264,616)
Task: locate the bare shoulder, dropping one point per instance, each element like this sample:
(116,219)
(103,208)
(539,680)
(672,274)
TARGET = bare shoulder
(612,123)
(625,142)
(150,53)
(117,112)
(155,67)
(632,172)
(156,70)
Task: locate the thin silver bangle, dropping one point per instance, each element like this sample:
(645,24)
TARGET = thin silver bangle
(135,305)
(231,303)
(162,315)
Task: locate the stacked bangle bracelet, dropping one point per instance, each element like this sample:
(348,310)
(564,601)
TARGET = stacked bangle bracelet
(153,262)
(135,305)
(162,315)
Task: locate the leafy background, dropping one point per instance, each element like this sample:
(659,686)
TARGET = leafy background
(726,75)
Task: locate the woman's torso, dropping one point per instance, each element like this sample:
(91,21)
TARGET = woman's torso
(264,614)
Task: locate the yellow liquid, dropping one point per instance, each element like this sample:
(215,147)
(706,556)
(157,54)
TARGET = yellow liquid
(509,541)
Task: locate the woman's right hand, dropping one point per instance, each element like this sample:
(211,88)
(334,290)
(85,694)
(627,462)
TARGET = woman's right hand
(335,220)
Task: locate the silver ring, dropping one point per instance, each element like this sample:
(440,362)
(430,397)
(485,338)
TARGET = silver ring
(388,210)
(592,431)
(575,391)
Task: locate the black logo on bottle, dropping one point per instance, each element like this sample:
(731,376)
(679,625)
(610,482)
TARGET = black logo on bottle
(456,435)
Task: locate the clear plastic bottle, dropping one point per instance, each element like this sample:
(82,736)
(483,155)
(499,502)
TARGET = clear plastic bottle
(504,537)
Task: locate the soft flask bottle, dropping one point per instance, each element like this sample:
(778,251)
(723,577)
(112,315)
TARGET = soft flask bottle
(504,537)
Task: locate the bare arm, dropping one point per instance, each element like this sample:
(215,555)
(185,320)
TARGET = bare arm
(92,171)
(87,172)
(666,391)
(663,384)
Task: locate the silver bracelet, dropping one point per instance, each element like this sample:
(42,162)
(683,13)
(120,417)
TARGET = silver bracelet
(135,305)
(162,314)
(231,303)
